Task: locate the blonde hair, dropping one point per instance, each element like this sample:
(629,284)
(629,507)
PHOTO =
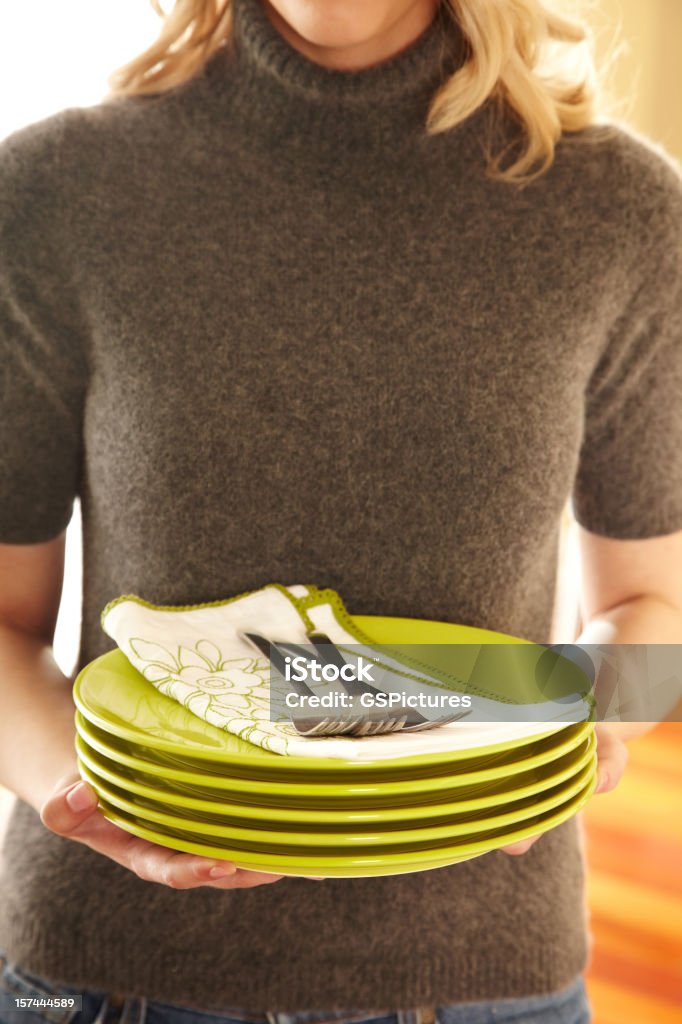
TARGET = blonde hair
(521,54)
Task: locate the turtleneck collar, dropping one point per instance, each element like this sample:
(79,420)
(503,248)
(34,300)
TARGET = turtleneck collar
(266,52)
(279,88)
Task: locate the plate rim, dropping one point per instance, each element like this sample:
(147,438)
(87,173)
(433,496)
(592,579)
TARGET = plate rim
(267,758)
(296,816)
(303,867)
(427,784)
(349,839)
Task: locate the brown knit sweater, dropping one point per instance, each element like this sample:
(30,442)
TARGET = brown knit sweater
(267,330)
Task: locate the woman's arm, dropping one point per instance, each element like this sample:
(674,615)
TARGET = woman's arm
(631,593)
(36,726)
(37,756)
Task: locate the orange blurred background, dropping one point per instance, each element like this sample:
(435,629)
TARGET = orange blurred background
(634,835)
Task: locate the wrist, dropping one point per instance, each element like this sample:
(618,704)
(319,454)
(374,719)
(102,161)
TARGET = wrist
(626,731)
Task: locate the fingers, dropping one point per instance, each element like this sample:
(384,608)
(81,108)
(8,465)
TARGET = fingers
(72,812)
(612,757)
(244,879)
(186,871)
(67,810)
(159,864)
(516,849)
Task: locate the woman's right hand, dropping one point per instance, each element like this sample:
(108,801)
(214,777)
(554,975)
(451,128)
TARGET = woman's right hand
(71,811)
(37,731)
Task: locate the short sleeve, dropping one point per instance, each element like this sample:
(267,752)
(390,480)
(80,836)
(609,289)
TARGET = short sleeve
(42,352)
(628,483)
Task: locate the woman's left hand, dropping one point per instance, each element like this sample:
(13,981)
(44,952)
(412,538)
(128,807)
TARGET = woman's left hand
(612,756)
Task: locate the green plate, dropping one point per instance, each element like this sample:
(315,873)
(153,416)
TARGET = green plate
(222,811)
(116,698)
(469,775)
(476,772)
(259,838)
(352,864)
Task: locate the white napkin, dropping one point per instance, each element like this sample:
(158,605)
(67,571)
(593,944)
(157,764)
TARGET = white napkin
(195,655)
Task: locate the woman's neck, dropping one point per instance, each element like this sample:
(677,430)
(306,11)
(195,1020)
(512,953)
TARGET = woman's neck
(350,43)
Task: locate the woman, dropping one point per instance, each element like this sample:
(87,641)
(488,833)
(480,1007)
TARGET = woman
(268,327)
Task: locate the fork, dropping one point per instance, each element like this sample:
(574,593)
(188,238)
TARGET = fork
(368,724)
(306,725)
(414,720)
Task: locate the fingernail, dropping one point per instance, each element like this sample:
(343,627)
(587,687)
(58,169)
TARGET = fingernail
(221,871)
(81,798)
(603,783)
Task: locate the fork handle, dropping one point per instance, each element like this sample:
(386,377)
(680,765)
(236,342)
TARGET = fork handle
(332,655)
(355,687)
(276,658)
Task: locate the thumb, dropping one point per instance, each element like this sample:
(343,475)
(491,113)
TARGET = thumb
(67,809)
(612,756)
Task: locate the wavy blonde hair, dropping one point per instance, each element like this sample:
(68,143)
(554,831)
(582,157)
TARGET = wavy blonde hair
(521,54)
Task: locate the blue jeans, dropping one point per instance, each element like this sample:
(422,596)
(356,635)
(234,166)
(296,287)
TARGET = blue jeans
(566,1007)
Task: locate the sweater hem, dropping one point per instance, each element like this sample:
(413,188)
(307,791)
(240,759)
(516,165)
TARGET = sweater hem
(333,985)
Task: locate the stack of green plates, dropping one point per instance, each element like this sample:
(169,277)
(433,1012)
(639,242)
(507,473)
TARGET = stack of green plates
(165,775)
